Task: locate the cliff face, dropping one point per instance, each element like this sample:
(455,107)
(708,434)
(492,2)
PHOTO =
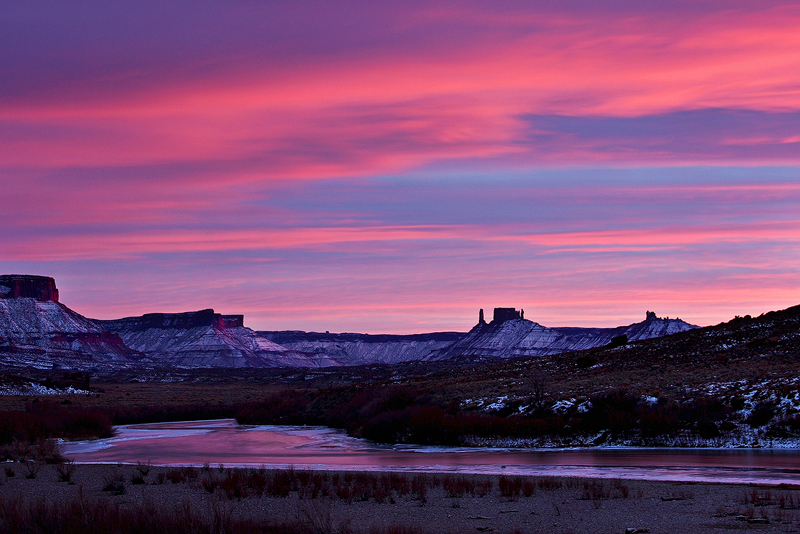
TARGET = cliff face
(508,335)
(14,286)
(362,349)
(174,321)
(206,339)
(38,331)
(509,338)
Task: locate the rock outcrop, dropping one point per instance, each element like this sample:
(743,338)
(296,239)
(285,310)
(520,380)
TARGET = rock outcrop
(41,288)
(36,330)
(39,332)
(205,339)
(509,335)
(364,349)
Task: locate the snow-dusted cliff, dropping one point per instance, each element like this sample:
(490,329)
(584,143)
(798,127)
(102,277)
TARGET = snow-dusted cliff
(206,339)
(520,337)
(39,332)
(361,349)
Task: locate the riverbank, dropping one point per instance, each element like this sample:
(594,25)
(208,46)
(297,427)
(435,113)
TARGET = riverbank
(323,501)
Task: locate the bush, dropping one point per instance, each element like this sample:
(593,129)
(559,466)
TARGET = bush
(287,407)
(761,414)
(510,487)
(43,420)
(615,411)
(114,483)
(65,471)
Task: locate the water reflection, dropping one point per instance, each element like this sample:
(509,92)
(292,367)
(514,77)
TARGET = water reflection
(225,442)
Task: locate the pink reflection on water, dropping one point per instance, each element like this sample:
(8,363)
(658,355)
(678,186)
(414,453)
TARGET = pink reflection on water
(225,442)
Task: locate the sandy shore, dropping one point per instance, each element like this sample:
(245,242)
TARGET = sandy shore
(447,504)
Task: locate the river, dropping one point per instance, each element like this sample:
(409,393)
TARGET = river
(225,442)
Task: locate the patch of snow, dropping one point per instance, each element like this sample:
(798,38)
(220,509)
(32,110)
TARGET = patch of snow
(563,405)
(499,404)
(38,389)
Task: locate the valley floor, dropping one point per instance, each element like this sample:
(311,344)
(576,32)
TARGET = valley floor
(214,497)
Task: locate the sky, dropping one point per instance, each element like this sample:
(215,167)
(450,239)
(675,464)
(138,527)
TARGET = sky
(392,167)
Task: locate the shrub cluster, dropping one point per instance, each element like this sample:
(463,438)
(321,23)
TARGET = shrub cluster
(81,514)
(43,420)
(404,415)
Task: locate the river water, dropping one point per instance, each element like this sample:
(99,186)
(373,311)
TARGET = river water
(225,442)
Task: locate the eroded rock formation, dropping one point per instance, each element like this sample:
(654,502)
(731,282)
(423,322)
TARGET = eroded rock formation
(38,331)
(41,288)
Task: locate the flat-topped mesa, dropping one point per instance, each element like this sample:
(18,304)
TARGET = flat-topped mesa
(502,315)
(15,286)
(177,321)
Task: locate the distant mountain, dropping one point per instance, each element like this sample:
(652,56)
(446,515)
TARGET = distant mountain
(205,339)
(36,331)
(509,335)
(363,349)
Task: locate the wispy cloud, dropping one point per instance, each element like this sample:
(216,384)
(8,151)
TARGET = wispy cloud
(385,164)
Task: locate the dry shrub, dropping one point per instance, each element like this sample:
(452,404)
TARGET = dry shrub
(80,515)
(510,487)
(419,488)
(234,485)
(175,476)
(400,484)
(114,482)
(621,490)
(483,488)
(65,471)
(596,491)
(32,468)
(41,450)
(143,468)
(788,501)
(458,486)
(528,488)
(208,483)
(758,498)
(549,483)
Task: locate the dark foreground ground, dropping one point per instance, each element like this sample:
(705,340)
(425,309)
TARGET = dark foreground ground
(104,498)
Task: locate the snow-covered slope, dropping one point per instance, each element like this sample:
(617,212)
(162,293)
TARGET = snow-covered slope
(47,334)
(362,349)
(206,339)
(521,337)
(37,331)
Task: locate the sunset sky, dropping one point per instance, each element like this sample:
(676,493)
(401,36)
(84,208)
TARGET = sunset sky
(394,166)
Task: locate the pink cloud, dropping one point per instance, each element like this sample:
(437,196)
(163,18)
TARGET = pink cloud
(230,148)
(402,106)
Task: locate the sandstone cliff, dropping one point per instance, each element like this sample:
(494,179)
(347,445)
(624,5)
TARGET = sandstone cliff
(508,336)
(205,339)
(37,331)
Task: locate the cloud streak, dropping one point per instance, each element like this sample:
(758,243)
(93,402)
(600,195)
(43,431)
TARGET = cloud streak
(392,166)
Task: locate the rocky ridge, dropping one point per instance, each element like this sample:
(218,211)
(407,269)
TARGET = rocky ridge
(364,349)
(36,331)
(509,335)
(205,339)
